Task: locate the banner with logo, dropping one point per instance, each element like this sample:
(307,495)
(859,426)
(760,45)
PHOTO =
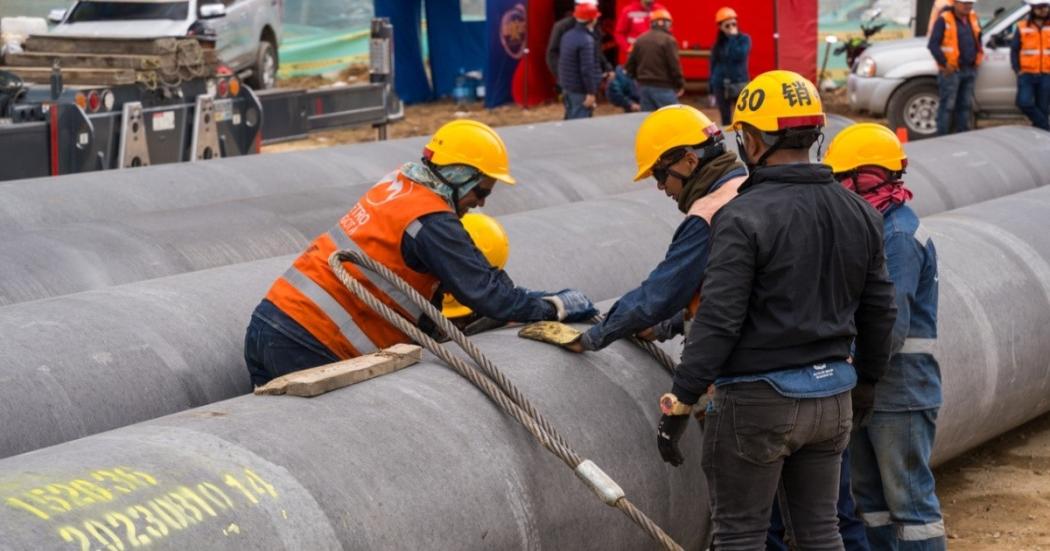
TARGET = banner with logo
(506,45)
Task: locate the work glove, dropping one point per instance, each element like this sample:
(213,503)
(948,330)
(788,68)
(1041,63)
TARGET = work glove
(863,397)
(572,305)
(668,433)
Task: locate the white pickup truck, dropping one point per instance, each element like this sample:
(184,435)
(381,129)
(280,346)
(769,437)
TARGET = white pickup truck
(898,78)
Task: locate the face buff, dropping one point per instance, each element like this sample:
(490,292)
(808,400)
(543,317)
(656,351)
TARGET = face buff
(878,186)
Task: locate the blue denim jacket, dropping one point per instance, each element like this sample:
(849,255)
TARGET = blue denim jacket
(913,379)
(811,381)
(668,289)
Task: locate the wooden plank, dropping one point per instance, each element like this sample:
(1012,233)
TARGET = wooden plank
(326,378)
(98,45)
(88,61)
(98,77)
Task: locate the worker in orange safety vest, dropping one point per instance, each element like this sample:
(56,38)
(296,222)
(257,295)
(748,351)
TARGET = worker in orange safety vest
(955,44)
(410,223)
(1030,58)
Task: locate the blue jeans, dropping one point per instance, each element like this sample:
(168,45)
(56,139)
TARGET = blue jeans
(574,108)
(850,527)
(654,97)
(956,100)
(893,483)
(1033,98)
(270,353)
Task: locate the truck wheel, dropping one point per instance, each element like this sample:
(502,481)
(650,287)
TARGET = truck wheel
(914,106)
(264,72)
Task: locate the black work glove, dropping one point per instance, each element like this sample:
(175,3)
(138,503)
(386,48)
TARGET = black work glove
(668,433)
(863,396)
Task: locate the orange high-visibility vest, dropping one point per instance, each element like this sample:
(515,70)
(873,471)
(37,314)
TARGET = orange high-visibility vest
(311,294)
(1035,47)
(950,42)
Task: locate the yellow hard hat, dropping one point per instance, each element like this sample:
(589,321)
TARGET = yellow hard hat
(667,128)
(865,144)
(491,239)
(779,100)
(473,144)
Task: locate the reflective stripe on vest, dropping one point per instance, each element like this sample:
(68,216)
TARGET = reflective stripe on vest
(331,308)
(950,42)
(344,243)
(1034,56)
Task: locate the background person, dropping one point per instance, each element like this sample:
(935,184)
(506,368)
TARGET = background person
(632,22)
(729,58)
(1030,59)
(654,63)
(579,74)
(955,43)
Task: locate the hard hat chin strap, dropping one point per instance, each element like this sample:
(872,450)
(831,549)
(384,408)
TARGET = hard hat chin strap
(792,138)
(469,183)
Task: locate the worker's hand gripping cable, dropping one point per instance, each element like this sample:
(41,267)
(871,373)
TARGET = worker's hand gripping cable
(494,384)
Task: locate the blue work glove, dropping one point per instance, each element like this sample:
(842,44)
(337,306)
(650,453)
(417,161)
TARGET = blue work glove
(572,305)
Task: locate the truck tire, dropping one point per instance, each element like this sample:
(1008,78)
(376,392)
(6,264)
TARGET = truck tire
(264,72)
(914,106)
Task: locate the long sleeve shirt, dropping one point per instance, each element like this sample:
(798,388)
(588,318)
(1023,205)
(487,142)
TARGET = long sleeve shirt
(731,64)
(443,248)
(913,379)
(668,289)
(559,29)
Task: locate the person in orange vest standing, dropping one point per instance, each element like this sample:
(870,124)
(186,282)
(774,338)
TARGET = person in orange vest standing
(410,223)
(955,44)
(1030,58)
(633,22)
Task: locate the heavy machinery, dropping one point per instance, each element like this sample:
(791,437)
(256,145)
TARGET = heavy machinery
(80,104)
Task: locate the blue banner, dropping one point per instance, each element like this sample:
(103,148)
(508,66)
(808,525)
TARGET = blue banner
(506,20)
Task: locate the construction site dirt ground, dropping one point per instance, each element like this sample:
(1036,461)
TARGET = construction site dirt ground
(994,497)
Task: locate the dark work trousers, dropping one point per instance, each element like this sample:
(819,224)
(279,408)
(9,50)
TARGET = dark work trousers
(269,353)
(756,439)
(854,536)
(1033,98)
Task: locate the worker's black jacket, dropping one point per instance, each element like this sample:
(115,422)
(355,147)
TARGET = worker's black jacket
(797,270)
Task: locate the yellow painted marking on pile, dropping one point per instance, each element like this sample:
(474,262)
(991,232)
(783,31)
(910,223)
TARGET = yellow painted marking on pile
(105,514)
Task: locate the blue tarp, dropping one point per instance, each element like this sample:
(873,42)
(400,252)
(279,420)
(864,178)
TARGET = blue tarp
(453,45)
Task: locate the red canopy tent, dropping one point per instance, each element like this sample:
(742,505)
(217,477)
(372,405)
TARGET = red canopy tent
(783,35)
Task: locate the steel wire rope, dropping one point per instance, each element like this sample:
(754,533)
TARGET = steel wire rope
(498,388)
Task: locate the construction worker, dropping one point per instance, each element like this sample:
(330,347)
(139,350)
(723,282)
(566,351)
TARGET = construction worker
(1030,58)
(955,44)
(729,57)
(654,63)
(892,479)
(563,26)
(410,223)
(796,275)
(685,152)
(632,22)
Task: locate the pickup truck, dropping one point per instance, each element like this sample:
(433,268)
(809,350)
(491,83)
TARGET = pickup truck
(898,78)
(246,32)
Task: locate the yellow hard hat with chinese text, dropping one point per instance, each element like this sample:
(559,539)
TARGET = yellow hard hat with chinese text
(779,100)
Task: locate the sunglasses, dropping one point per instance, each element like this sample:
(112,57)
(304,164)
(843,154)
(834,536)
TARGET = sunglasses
(481,192)
(662,168)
